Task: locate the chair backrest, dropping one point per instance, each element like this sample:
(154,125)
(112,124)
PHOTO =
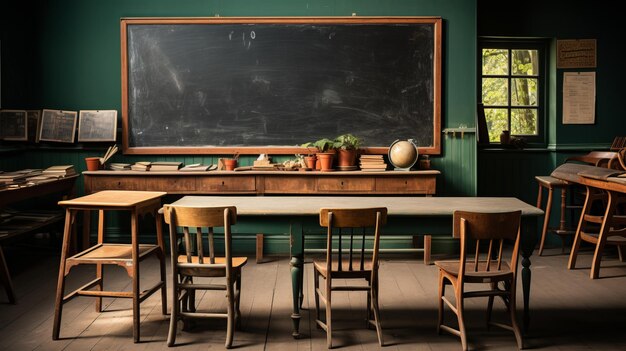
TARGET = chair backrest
(199,218)
(337,221)
(492,228)
(596,158)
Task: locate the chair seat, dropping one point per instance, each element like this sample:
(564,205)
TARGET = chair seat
(482,276)
(551,182)
(320,265)
(238,262)
(207,269)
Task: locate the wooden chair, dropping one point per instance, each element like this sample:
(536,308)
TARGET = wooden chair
(600,229)
(187,266)
(473,228)
(346,265)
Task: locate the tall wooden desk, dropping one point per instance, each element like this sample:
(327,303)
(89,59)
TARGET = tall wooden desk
(64,187)
(298,216)
(127,256)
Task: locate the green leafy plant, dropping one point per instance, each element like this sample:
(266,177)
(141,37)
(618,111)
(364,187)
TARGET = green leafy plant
(347,142)
(322,145)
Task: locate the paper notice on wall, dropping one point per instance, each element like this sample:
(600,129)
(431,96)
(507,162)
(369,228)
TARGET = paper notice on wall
(579,97)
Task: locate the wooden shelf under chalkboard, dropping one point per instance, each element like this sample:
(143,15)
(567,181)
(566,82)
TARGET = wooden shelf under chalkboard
(267,182)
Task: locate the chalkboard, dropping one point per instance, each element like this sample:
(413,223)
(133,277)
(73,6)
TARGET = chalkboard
(97,125)
(13,124)
(252,85)
(58,126)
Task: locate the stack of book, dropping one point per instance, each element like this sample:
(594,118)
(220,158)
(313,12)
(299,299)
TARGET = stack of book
(60,171)
(119,166)
(165,166)
(372,163)
(141,166)
(12,179)
(196,167)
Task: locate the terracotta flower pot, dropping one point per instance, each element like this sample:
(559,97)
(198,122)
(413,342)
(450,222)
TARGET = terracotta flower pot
(230,164)
(310,161)
(326,161)
(93,163)
(346,157)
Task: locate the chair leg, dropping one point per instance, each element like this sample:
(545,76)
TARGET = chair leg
(621,253)
(58,302)
(602,236)
(171,336)
(316,283)
(369,309)
(5,278)
(191,301)
(459,314)
(374,292)
(513,314)
(136,307)
(329,330)
(237,301)
(161,258)
(231,316)
(546,221)
(442,291)
(490,305)
(99,286)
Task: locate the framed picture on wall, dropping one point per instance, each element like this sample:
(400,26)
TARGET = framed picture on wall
(34,123)
(13,125)
(58,126)
(97,125)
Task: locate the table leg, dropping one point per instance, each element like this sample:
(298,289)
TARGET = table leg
(297,264)
(5,278)
(528,242)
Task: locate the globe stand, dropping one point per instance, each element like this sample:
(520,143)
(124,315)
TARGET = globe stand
(403,155)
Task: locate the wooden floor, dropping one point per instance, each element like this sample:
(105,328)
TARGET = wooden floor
(570,312)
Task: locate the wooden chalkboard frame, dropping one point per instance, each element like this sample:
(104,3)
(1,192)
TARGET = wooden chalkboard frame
(434,149)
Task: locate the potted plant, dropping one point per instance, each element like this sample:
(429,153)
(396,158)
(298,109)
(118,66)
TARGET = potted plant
(325,153)
(310,159)
(231,163)
(347,146)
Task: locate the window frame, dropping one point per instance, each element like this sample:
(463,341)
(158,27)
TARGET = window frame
(542,81)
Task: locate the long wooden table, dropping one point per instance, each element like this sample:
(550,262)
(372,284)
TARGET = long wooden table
(298,216)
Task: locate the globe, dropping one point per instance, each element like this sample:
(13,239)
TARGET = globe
(402,154)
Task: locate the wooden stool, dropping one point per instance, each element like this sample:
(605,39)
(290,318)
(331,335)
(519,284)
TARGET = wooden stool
(552,183)
(128,256)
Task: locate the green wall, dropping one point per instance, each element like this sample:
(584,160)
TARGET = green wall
(511,173)
(570,20)
(77,59)
(72,62)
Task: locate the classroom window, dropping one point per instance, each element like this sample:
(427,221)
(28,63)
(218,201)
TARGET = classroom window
(511,88)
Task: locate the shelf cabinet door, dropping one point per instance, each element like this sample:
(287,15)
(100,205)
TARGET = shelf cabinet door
(226,184)
(345,184)
(405,185)
(289,185)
